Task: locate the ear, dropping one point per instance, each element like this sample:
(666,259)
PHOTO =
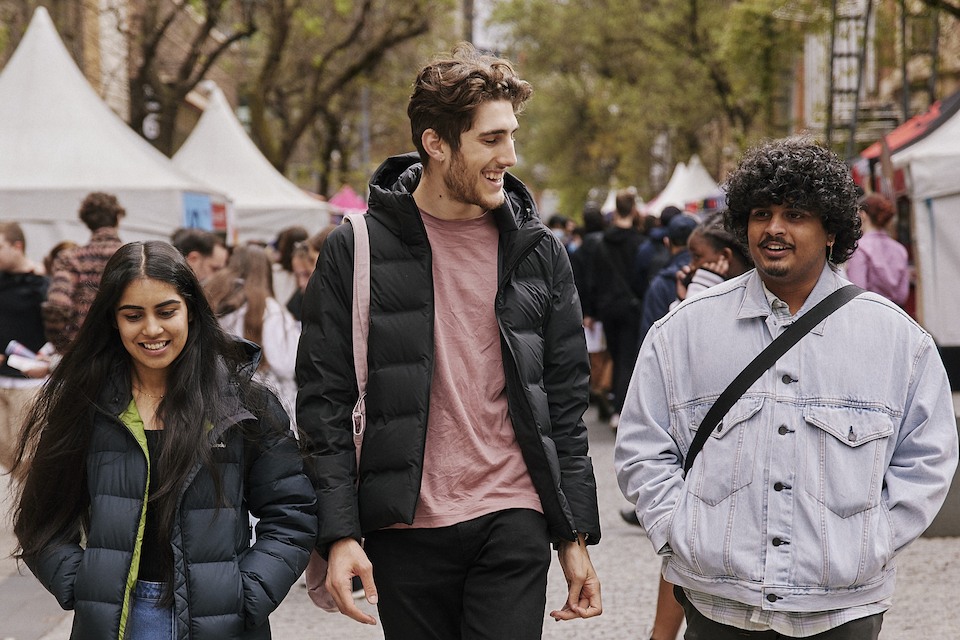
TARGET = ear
(434,145)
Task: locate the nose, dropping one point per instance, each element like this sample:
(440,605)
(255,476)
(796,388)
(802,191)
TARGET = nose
(152,326)
(777,224)
(508,153)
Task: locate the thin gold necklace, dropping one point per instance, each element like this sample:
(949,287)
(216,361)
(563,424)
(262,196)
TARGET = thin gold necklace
(149,395)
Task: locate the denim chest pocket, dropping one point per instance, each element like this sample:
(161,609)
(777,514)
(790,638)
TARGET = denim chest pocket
(844,452)
(725,464)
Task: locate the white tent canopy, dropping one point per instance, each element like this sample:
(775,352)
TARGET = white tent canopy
(219,152)
(59,141)
(690,182)
(932,168)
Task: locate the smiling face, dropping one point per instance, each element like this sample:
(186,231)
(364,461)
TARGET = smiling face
(152,319)
(473,175)
(789,247)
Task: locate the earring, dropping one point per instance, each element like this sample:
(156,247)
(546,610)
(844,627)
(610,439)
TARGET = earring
(830,252)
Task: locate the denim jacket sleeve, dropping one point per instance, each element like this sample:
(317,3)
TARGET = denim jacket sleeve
(925,457)
(648,457)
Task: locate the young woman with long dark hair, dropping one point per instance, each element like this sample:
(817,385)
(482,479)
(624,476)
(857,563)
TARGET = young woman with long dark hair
(145,454)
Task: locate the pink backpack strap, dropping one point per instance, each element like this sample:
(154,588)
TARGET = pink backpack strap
(316,572)
(361,321)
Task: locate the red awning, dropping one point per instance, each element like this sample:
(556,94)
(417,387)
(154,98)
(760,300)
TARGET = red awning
(917,127)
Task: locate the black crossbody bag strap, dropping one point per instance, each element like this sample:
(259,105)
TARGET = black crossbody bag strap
(764,361)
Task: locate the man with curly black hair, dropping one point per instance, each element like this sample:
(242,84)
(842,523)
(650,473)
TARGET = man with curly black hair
(789,521)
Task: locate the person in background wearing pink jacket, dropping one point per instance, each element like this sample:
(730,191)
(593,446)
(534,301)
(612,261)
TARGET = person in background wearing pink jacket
(880,263)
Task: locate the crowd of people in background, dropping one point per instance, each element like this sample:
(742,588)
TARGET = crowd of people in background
(255,290)
(218,358)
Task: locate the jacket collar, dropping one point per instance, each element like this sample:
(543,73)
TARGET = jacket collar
(392,203)
(756,305)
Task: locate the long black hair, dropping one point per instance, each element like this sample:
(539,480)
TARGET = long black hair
(53,501)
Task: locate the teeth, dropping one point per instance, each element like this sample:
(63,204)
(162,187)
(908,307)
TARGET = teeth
(496,177)
(154,346)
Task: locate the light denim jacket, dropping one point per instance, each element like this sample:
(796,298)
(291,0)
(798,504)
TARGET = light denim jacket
(834,460)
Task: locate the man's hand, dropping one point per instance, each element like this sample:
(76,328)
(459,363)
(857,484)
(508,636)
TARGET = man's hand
(583,598)
(345,560)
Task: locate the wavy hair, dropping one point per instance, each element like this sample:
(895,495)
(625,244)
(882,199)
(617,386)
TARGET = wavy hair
(448,91)
(53,500)
(801,174)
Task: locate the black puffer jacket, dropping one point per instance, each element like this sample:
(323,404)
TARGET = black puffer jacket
(223,587)
(544,357)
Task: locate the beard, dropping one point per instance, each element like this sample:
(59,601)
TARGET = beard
(773,270)
(463,190)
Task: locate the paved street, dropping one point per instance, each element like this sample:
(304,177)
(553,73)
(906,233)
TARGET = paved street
(925,605)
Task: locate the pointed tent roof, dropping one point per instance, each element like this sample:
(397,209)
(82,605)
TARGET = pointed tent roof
(348,200)
(56,132)
(59,141)
(220,152)
(690,182)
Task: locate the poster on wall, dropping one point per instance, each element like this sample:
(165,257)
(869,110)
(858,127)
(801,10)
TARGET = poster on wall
(197,211)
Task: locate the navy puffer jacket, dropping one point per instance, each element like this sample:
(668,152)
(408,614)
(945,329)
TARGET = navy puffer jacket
(224,588)
(544,357)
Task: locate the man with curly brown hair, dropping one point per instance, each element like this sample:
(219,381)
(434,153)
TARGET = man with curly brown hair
(475,457)
(76,272)
(789,521)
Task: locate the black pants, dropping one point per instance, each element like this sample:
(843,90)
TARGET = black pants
(699,627)
(484,579)
(623,343)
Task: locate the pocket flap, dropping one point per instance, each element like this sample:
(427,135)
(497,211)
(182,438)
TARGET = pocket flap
(742,411)
(849,425)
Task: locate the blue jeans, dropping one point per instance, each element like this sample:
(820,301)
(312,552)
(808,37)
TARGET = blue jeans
(147,619)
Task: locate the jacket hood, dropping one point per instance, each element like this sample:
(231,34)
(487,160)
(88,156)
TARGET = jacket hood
(395,180)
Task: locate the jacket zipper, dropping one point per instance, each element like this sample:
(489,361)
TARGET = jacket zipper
(523,253)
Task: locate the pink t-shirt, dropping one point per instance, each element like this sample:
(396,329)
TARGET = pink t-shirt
(472,463)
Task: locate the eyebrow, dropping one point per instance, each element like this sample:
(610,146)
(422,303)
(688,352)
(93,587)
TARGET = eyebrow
(497,132)
(157,306)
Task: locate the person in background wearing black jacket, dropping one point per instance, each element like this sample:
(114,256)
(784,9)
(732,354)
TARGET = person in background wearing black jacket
(144,453)
(582,260)
(475,456)
(613,297)
(22,292)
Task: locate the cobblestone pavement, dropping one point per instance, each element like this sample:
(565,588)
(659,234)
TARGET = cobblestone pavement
(925,603)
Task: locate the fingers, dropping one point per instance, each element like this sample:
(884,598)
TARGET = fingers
(583,595)
(369,586)
(347,559)
(342,591)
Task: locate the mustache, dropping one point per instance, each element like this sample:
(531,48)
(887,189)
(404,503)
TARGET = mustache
(768,240)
